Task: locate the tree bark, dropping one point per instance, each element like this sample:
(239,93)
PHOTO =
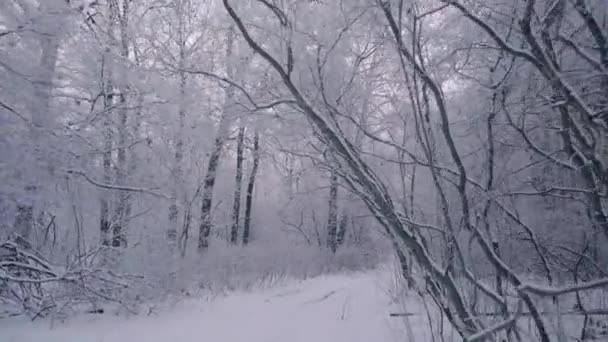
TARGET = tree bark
(205,226)
(119,227)
(133,162)
(107,133)
(250,188)
(236,206)
(332,213)
(179,139)
(342,227)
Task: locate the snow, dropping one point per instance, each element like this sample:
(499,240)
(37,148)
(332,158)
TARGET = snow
(345,307)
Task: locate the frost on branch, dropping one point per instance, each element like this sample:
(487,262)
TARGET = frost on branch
(31,285)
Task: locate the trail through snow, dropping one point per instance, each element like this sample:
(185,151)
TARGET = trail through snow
(332,308)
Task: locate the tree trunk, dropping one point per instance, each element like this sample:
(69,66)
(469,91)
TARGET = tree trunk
(332,213)
(205,227)
(119,228)
(406,267)
(107,133)
(236,207)
(134,160)
(120,219)
(214,158)
(250,187)
(179,139)
(342,227)
(41,118)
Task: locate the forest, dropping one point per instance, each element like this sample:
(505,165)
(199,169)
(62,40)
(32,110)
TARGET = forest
(152,150)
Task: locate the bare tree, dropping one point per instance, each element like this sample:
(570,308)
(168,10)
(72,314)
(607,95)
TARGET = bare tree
(48,42)
(108,131)
(215,156)
(120,221)
(180,7)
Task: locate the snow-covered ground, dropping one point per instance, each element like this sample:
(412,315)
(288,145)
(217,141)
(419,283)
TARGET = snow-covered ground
(333,308)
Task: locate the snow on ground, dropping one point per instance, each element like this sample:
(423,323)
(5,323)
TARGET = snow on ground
(333,308)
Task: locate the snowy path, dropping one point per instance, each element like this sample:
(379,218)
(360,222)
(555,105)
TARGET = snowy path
(331,308)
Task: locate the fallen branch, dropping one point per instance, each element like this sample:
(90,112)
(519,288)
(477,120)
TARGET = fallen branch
(597,312)
(25,275)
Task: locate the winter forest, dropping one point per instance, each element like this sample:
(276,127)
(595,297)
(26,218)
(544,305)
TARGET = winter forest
(373,170)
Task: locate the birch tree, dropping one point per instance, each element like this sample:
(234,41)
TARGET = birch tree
(250,188)
(226,118)
(238,180)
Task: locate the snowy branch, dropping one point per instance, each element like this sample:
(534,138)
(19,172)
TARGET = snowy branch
(118,187)
(557,291)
